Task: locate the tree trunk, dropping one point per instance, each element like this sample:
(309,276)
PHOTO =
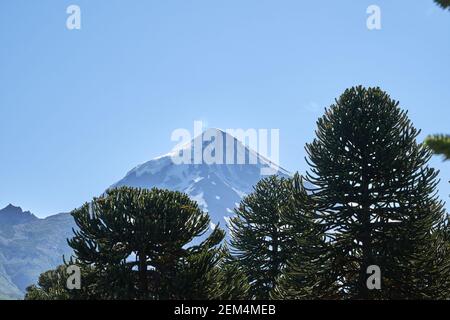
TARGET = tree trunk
(143,280)
(366,233)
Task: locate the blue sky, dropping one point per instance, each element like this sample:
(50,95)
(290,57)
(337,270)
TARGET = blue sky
(80,108)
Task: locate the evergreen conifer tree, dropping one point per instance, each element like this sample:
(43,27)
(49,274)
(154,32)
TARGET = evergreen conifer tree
(142,245)
(260,243)
(308,273)
(52,285)
(376,197)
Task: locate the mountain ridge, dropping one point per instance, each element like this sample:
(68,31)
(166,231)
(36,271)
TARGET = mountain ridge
(15,215)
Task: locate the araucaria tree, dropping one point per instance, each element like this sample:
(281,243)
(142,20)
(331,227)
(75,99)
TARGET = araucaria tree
(260,243)
(52,285)
(308,273)
(375,195)
(144,244)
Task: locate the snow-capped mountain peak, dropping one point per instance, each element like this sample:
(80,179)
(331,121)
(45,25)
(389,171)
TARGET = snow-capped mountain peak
(215,169)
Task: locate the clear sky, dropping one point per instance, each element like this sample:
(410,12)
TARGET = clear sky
(79,108)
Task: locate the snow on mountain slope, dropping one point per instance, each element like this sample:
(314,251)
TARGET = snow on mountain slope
(216,187)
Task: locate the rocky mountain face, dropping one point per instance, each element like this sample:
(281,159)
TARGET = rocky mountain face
(29,246)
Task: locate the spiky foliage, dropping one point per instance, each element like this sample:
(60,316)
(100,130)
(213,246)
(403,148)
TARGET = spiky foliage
(308,274)
(232,282)
(440,144)
(140,243)
(260,242)
(443,3)
(52,285)
(376,197)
